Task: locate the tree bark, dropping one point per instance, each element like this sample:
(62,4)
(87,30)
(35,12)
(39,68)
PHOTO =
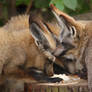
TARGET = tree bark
(56,87)
(27,85)
(11,6)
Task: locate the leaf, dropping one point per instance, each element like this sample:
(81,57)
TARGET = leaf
(71,4)
(58,3)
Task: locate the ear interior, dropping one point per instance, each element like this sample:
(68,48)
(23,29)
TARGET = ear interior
(66,28)
(61,20)
(39,36)
(73,31)
(66,16)
(70,20)
(61,23)
(36,32)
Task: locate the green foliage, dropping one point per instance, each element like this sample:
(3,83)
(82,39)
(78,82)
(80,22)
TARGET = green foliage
(71,7)
(41,3)
(71,4)
(62,4)
(83,6)
(18,2)
(58,3)
(91,1)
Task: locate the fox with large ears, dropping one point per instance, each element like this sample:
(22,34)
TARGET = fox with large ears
(26,46)
(76,40)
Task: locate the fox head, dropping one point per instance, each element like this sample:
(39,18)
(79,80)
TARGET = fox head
(70,37)
(53,43)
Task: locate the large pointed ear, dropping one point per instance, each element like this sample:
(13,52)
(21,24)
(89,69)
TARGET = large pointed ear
(65,26)
(41,32)
(67,29)
(34,28)
(61,20)
(69,19)
(36,32)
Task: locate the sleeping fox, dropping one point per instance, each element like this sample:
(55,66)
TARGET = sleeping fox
(26,45)
(76,41)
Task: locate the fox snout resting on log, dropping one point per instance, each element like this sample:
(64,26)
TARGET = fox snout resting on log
(76,39)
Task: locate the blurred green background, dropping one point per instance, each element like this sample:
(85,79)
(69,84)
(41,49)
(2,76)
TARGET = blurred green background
(9,8)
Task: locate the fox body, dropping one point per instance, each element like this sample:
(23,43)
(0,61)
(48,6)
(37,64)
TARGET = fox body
(26,46)
(15,45)
(76,40)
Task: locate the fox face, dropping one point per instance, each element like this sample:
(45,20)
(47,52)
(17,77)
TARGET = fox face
(52,44)
(70,38)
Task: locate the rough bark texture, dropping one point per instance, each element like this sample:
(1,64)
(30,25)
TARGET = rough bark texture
(11,8)
(57,87)
(13,85)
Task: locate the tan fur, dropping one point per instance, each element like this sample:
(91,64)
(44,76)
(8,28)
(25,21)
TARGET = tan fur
(17,47)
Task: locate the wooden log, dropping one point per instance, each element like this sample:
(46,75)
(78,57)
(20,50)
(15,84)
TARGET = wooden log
(56,87)
(22,85)
(12,86)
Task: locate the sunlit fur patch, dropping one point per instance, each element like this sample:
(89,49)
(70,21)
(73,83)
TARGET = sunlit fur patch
(21,23)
